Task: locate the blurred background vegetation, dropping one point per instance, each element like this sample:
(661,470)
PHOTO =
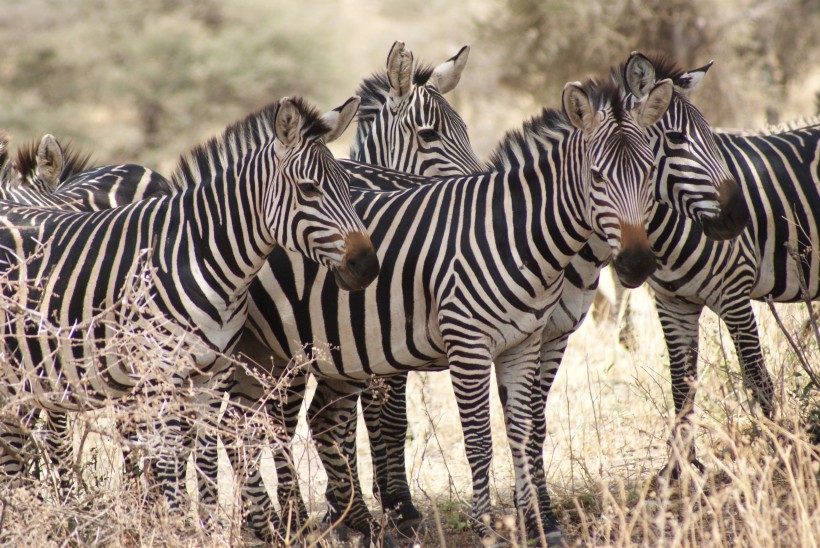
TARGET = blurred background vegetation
(145,81)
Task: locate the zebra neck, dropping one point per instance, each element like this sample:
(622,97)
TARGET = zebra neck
(550,196)
(222,225)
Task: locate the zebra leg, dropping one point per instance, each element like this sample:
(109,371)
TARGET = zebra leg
(679,320)
(552,353)
(332,418)
(60,450)
(15,437)
(387,427)
(285,412)
(740,320)
(205,433)
(519,388)
(241,443)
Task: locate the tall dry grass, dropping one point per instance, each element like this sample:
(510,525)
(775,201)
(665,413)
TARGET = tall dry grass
(609,417)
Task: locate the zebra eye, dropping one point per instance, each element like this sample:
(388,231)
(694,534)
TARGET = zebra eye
(310,189)
(597,177)
(428,134)
(676,137)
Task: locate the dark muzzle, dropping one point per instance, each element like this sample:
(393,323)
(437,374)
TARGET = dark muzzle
(635,262)
(733,216)
(360,265)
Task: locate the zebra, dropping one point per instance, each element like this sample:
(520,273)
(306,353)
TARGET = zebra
(436,241)
(268,179)
(776,257)
(403,106)
(698,160)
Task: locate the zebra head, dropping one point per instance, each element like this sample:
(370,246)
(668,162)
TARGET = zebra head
(692,177)
(619,166)
(41,167)
(316,216)
(406,123)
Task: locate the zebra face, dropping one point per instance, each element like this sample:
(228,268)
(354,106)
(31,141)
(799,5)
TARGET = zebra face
(409,125)
(439,135)
(693,177)
(620,168)
(318,219)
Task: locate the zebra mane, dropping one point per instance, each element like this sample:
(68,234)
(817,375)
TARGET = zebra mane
(74,161)
(375,90)
(552,125)
(254,130)
(790,125)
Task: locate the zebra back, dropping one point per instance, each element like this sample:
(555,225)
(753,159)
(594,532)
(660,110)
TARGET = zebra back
(405,123)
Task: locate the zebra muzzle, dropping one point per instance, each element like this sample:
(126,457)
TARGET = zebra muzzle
(733,216)
(360,264)
(635,261)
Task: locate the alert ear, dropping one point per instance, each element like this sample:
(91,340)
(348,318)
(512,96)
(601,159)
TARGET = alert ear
(656,103)
(579,109)
(50,161)
(286,125)
(340,117)
(688,81)
(639,74)
(447,75)
(399,71)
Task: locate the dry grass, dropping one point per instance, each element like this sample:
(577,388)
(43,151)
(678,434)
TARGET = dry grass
(609,421)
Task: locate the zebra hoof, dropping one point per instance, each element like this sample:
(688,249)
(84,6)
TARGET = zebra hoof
(672,470)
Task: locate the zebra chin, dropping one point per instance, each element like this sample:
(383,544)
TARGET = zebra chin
(733,216)
(360,264)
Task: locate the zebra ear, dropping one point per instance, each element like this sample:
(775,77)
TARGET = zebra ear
(287,123)
(399,70)
(446,76)
(340,117)
(639,74)
(656,103)
(50,161)
(578,108)
(688,81)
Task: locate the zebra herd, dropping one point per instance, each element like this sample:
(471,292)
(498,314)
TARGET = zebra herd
(439,262)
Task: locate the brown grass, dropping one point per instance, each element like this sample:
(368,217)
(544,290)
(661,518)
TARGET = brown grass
(609,419)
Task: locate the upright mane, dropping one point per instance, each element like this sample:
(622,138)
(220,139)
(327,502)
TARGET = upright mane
(375,90)
(254,130)
(552,125)
(74,161)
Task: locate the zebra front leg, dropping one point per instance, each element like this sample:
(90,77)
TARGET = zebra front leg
(740,320)
(284,412)
(332,419)
(679,321)
(551,356)
(519,385)
(60,451)
(244,452)
(387,427)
